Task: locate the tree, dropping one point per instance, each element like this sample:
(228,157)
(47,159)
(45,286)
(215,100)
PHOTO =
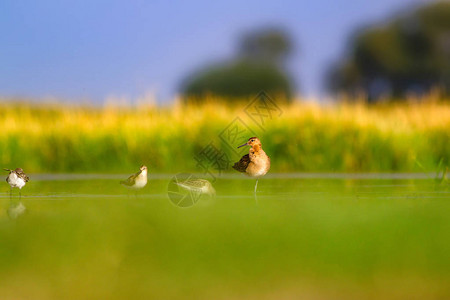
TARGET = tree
(410,54)
(267,45)
(258,66)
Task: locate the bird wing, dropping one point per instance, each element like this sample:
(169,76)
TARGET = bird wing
(192,184)
(131,180)
(242,164)
(8,174)
(23,176)
(185,185)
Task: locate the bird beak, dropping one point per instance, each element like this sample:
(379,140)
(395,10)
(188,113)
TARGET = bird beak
(243,145)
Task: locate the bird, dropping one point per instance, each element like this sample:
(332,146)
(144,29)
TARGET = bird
(198,186)
(256,163)
(16,178)
(138,180)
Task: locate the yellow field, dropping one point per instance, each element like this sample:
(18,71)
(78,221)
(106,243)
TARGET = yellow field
(305,137)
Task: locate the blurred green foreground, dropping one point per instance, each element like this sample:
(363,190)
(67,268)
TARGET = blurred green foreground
(312,238)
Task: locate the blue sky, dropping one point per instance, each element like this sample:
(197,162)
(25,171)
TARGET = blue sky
(91,50)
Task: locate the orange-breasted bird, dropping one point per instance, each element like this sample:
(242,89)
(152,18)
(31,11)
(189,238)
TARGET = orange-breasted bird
(256,163)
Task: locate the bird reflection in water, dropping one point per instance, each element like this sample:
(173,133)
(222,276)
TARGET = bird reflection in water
(15,209)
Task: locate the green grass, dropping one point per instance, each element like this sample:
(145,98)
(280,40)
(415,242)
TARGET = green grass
(408,137)
(312,238)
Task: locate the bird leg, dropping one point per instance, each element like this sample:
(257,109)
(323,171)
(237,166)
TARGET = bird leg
(10,193)
(256,185)
(20,194)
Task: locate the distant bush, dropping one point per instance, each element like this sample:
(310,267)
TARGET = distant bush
(258,66)
(238,80)
(408,55)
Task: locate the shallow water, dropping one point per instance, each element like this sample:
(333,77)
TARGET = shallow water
(365,235)
(274,186)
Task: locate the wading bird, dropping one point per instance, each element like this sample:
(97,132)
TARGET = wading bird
(138,180)
(16,178)
(256,163)
(198,186)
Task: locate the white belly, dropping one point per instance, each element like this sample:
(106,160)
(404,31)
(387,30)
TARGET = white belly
(140,181)
(15,181)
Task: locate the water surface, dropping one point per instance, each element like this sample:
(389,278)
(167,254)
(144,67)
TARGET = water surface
(339,236)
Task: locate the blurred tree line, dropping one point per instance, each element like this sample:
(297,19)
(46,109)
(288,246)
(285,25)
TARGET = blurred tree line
(408,55)
(258,66)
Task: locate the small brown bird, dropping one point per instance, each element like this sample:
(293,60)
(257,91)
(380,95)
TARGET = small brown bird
(16,178)
(138,180)
(256,163)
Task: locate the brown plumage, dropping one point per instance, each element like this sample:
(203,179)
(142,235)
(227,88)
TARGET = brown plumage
(19,172)
(242,164)
(16,179)
(256,163)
